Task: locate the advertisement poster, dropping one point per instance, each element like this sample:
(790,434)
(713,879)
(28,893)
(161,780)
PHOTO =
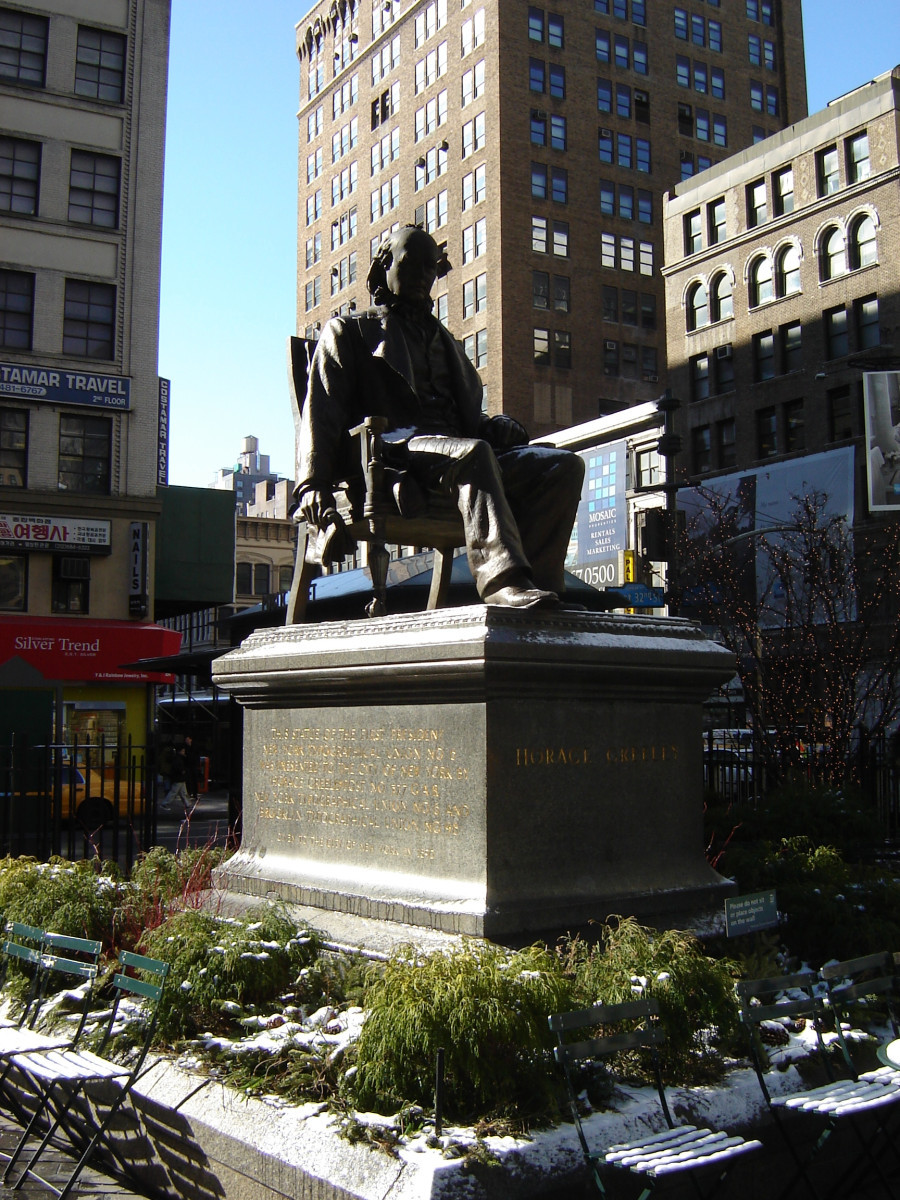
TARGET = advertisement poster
(601,525)
(881,394)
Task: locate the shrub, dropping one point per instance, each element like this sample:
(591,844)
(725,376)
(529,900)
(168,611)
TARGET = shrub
(486,1007)
(81,899)
(219,966)
(695,992)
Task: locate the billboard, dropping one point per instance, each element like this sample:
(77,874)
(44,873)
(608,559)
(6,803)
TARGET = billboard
(600,532)
(881,395)
(81,535)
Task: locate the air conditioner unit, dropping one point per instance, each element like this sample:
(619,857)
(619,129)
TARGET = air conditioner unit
(651,379)
(723,351)
(609,345)
(539,112)
(606,133)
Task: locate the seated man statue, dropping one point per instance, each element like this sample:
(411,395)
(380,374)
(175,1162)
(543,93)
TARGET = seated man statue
(518,502)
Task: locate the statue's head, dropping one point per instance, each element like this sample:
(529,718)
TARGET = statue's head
(406,265)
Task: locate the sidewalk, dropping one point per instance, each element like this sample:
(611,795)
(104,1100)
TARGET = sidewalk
(57,1167)
(207,824)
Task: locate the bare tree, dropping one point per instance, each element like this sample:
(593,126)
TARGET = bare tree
(811,612)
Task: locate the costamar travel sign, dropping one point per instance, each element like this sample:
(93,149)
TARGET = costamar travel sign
(59,385)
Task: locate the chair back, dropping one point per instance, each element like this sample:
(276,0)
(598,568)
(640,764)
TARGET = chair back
(147,983)
(773,1000)
(23,947)
(858,980)
(75,958)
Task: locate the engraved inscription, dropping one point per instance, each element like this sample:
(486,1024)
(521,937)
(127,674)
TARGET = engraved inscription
(581,756)
(380,791)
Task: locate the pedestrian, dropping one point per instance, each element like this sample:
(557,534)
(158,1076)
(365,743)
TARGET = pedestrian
(191,768)
(177,790)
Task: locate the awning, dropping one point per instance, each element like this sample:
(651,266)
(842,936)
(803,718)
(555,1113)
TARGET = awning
(67,650)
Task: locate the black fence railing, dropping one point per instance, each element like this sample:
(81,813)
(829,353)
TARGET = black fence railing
(739,769)
(77,800)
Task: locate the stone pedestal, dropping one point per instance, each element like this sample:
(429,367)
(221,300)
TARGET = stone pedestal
(477,770)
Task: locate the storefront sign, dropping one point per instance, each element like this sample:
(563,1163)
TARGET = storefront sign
(86,651)
(600,529)
(18,532)
(162,457)
(138,556)
(58,385)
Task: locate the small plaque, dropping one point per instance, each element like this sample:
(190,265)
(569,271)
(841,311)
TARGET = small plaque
(747,914)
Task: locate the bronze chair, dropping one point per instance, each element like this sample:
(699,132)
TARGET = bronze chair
(373,515)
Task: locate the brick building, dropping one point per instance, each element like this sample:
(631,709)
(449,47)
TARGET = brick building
(537,143)
(782,281)
(83,95)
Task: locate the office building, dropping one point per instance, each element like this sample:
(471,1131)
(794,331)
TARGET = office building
(537,143)
(251,469)
(83,96)
(782,281)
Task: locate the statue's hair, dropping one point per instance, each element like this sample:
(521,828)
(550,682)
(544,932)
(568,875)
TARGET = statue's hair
(376,280)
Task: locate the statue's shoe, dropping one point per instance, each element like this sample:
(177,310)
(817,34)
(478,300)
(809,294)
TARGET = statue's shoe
(523,597)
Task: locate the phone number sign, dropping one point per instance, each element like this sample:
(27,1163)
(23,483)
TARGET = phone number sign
(54,533)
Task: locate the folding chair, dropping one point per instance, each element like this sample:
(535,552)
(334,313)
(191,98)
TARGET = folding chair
(23,947)
(679,1149)
(840,1103)
(61,1076)
(854,981)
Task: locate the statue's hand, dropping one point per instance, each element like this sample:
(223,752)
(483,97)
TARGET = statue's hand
(504,432)
(314,505)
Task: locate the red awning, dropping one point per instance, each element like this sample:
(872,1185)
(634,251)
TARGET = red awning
(86,651)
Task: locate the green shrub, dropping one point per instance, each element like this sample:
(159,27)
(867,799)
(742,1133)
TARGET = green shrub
(695,992)
(82,899)
(486,1007)
(221,966)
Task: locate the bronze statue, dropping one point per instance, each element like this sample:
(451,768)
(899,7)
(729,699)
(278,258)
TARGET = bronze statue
(518,502)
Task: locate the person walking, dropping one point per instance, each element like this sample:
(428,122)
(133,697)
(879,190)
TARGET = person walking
(177,791)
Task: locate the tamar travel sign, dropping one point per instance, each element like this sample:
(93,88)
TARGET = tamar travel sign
(59,385)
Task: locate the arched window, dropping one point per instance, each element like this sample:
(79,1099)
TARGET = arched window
(698,306)
(863,249)
(834,254)
(788,274)
(762,284)
(722,298)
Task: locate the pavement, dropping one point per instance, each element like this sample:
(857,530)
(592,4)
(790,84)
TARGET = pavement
(206,824)
(56,1166)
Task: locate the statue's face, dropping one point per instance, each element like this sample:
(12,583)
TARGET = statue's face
(414,265)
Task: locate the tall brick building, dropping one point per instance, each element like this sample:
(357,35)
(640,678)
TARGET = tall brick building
(83,97)
(537,143)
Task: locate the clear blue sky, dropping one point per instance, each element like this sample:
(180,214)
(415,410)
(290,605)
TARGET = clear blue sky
(229,224)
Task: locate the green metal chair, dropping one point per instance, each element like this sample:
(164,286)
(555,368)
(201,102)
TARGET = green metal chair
(679,1150)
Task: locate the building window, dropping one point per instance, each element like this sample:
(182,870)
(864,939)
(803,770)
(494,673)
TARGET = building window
(610,358)
(700,377)
(314,123)
(536,24)
(715,213)
(555,31)
(837,342)
(542,347)
(557,76)
(840,414)
(23,47)
(538,128)
(726,451)
(70,587)
(537,75)
(604,95)
(788,270)
(561,293)
(764,355)
(700,450)
(20,171)
(766,433)
(791,347)
(561,239)
(757,211)
(697,306)
(16,309)
(863,247)
(717,82)
(100,65)
(13,582)
(559,185)
(610,303)
(475,296)
(648,311)
(558,138)
(540,289)
(721,292)
(693,232)
(562,348)
(13,447)
(94,189)
(539,235)
(859,165)
(783,191)
(648,467)
(827,171)
(833,262)
(89,319)
(686,120)
(84,454)
(794,427)
(868,333)
(724,361)
(762,284)
(602,44)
